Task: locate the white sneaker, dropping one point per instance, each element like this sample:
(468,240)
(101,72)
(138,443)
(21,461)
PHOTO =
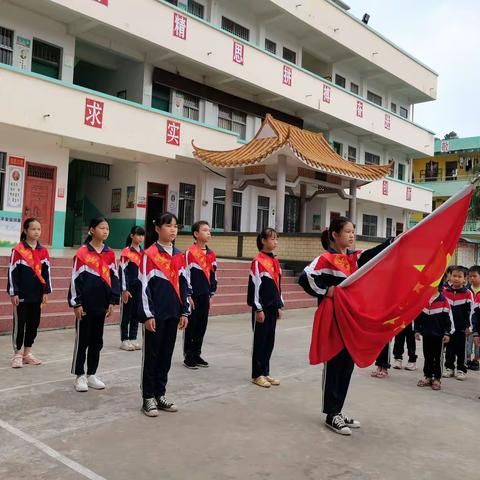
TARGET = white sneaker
(448,373)
(136,344)
(461,375)
(397,364)
(411,366)
(126,345)
(95,382)
(81,384)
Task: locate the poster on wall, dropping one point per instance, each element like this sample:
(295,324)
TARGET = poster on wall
(116,199)
(24,45)
(130,196)
(9,231)
(15,175)
(173,202)
(316,223)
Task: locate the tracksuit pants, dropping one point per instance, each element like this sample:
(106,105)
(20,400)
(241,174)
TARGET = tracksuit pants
(432,353)
(383,360)
(129,323)
(337,373)
(406,335)
(158,349)
(196,328)
(455,351)
(26,319)
(263,342)
(88,342)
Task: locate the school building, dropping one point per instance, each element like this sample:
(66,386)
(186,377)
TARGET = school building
(455,163)
(247,114)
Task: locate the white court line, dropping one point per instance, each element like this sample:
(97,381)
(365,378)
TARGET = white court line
(76,467)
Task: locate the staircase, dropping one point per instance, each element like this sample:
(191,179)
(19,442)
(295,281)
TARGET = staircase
(231,296)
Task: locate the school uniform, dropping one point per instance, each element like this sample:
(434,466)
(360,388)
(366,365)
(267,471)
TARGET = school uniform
(470,347)
(201,267)
(29,279)
(434,322)
(407,335)
(165,298)
(130,261)
(476,316)
(461,303)
(383,360)
(94,287)
(264,295)
(329,270)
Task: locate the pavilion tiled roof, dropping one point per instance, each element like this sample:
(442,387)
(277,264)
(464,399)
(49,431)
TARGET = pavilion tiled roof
(309,147)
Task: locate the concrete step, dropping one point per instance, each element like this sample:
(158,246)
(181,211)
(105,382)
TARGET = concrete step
(239,297)
(242,288)
(232,308)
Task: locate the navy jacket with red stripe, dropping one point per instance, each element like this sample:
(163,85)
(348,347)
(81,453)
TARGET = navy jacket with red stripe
(199,284)
(461,302)
(435,320)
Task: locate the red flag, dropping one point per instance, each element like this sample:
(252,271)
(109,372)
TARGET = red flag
(384,296)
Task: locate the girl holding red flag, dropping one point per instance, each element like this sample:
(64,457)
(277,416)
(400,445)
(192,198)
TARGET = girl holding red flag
(28,286)
(265,298)
(165,308)
(94,290)
(319,279)
(130,261)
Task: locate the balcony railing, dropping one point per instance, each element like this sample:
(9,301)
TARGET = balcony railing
(439,177)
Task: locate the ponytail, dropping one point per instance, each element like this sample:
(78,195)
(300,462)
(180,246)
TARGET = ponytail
(325,239)
(136,230)
(336,225)
(94,222)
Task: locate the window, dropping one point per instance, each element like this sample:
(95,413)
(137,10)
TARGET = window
(218,208)
(186,204)
(340,81)
(399,228)
(334,215)
(389,228)
(289,55)
(401,171)
(235,28)
(161,98)
(270,46)
(403,112)
(191,106)
(46,59)
(233,120)
(374,98)
(450,171)
(432,172)
(338,147)
(195,8)
(393,107)
(352,154)
(263,209)
(6,46)
(354,88)
(3,166)
(369,225)
(237,211)
(372,159)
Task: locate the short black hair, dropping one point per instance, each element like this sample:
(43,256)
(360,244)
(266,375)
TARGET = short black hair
(474,268)
(264,234)
(197,225)
(459,268)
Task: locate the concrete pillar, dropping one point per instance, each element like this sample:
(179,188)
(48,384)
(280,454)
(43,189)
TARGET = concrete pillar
(281,180)
(303,207)
(228,213)
(352,202)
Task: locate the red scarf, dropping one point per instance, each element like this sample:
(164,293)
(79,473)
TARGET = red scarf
(28,254)
(271,265)
(132,255)
(94,260)
(342,262)
(163,261)
(202,259)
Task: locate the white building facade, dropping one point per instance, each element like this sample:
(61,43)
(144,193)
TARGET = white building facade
(101,100)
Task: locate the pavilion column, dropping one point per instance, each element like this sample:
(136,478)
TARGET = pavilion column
(228,213)
(281,181)
(352,202)
(303,207)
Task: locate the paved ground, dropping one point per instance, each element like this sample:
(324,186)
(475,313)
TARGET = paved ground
(227,428)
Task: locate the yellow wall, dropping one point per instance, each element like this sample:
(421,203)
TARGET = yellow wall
(420,163)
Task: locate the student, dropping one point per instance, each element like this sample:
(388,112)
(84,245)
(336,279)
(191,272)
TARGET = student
(319,279)
(474,281)
(382,363)
(435,325)
(130,261)
(28,285)
(201,269)
(265,298)
(94,290)
(165,307)
(460,299)
(407,335)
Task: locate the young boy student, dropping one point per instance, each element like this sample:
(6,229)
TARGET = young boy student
(474,281)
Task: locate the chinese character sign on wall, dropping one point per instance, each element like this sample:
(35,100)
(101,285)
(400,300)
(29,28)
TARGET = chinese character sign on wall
(359,109)
(93,113)
(327,92)
(173,133)
(387,121)
(385,187)
(15,175)
(445,146)
(287,75)
(238,53)
(179,26)
(409,193)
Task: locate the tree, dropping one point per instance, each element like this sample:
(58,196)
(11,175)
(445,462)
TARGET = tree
(449,136)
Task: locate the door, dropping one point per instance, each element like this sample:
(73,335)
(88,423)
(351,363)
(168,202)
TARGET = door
(291,217)
(39,197)
(156,201)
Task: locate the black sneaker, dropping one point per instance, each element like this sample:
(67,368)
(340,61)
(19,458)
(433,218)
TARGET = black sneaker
(350,422)
(337,424)
(200,362)
(473,365)
(165,405)
(149,407)
(189,363)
